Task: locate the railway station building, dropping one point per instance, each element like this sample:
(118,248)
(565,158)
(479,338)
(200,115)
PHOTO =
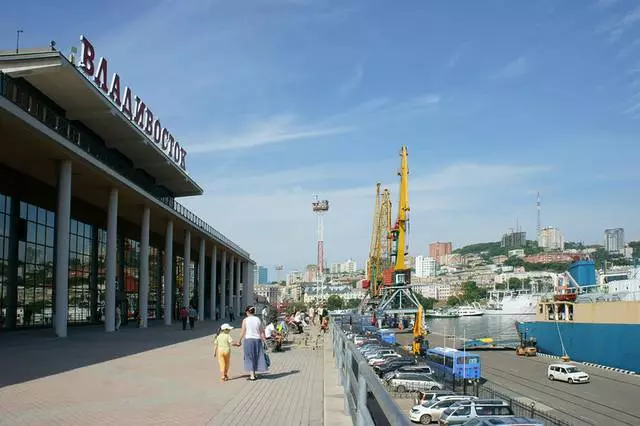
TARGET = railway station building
(89,217)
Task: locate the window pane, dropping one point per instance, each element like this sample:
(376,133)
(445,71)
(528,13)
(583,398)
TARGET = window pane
(32,212)
(42,216)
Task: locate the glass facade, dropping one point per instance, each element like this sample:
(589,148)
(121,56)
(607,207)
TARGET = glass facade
(35,266)
(80,248)
(156,293)
(30,247)
(5,226)
(131,279)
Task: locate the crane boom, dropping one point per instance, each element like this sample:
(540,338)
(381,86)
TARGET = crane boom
(403,218)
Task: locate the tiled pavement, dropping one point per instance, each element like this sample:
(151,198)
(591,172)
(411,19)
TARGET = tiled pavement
(159,376)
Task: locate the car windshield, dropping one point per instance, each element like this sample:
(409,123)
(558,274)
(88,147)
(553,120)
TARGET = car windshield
(572,370)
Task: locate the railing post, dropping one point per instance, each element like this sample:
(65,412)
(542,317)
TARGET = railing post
(347,383)
(361,397)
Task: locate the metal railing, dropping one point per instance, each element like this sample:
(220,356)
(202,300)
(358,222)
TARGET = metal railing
(366,400)
(29,100)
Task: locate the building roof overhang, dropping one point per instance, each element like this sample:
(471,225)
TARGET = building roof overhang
(61,81)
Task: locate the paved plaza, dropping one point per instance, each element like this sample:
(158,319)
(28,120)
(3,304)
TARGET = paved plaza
(158,376)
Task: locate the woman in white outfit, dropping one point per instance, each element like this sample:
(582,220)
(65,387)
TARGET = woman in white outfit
(254,342)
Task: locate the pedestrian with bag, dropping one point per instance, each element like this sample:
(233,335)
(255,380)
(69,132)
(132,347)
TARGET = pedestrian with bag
(255,358)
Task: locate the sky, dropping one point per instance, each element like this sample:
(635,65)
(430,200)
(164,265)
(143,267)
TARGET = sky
(277,101)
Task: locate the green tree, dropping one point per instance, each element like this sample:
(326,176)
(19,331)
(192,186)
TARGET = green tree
(352,304)
(515,283)
(334,302)
(426,302)
(295,307)
(453,301)
(514,261)
(471,292)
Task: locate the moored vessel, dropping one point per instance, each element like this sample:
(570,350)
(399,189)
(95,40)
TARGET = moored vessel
(589,322)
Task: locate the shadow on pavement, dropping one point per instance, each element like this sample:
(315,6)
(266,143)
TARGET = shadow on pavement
(31,354)
(276,376)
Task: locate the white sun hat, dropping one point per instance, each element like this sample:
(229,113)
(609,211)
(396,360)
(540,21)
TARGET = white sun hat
(226,326)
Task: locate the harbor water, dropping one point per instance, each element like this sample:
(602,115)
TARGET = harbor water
(498,327)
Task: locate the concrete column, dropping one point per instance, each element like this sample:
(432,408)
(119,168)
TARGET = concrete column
(251,283)
(110,275)
(214,282)
(186,280)
(63,216)
(232,284)
(238,283)
(245,284)
(223,285)
(168,274)
(144,267)
(201,261)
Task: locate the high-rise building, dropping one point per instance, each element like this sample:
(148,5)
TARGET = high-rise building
(260,275)
(425,266)
(514,240)
(348,267)
(614,240)
(294,277)
(311,273)
(550,238)
(438,249)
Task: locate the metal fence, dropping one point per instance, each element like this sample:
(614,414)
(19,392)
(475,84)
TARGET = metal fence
(366,400)
(464,387)
(29,100)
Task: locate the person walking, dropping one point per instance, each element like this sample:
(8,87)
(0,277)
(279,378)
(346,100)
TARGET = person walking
(254,343)
(118,317)
(184,316)
(312,315)
(222,350)
(193,315)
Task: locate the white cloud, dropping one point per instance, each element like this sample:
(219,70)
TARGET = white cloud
(275,129)
(353,82)
(516,68)
(603,4)
(271,217)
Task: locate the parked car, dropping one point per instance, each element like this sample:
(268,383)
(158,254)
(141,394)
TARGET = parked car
(463,411)
(567,373)
(513,421)
(416,369)
(430,411)
(402,382)
(379,353)
(383,358)
(427,397)
(392,365)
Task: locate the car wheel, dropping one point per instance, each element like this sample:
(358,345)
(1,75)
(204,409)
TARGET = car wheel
(550,376)
(570,380)
(426,419)
(401,389)
(435,388)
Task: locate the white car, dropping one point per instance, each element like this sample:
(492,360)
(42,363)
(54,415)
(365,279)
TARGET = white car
(430,411)
(378,354)
(383,358)
(567,373)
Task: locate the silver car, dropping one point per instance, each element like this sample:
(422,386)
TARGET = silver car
(402,382)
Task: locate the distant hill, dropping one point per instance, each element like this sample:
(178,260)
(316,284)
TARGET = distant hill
(492,249)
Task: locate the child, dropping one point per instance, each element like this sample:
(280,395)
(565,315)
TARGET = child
(222,350)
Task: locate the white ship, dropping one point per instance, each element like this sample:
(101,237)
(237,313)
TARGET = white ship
(473,310)
(510,302)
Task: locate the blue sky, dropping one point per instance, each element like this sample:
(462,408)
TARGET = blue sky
(279,100)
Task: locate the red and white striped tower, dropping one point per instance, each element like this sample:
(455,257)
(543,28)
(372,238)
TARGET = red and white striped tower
(320,207)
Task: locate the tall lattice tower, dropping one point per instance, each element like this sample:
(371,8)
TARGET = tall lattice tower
(320,207)
(538,229)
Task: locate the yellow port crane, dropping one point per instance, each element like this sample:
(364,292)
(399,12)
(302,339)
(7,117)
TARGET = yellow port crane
(402,275)
(380,247)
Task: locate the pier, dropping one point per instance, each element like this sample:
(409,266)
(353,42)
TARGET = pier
(161,375)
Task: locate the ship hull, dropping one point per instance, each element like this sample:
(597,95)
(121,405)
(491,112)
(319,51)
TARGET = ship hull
(612,345)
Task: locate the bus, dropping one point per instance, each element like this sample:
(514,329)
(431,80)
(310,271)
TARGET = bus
(450,363)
